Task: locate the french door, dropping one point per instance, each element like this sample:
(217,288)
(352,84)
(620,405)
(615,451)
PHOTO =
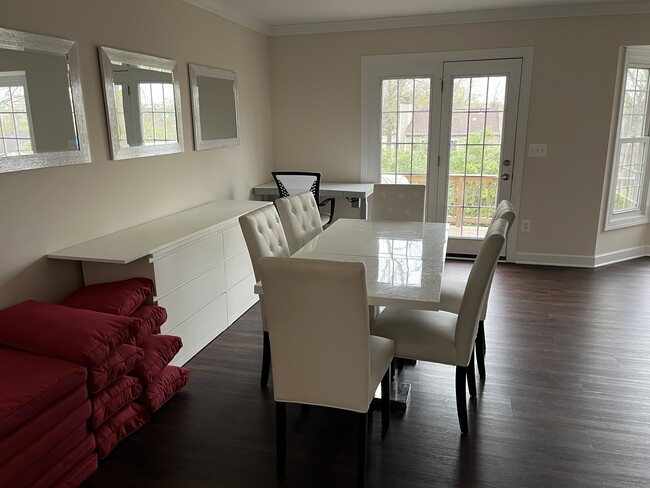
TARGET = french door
(476,149)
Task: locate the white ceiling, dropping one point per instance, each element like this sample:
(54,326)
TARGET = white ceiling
(301,16)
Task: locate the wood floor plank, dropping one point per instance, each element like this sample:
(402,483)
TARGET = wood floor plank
(564,404)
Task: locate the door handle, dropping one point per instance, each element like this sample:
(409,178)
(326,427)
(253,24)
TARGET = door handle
(505,177)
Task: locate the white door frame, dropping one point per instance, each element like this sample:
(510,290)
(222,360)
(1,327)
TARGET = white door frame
(375,68)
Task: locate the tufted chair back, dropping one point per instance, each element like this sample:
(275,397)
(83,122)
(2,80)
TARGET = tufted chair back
(264,236)
(397,202)
(300,218)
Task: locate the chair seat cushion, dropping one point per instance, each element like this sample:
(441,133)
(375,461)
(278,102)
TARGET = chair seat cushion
(117,297)
(129,419)
(73,468)
(124,359)
(152,317)
(168,382)
(36,427)
(114,397)
(81,336)
(32,383)
(419,334)
(159,350)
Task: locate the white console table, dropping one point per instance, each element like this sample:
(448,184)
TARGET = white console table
(197,260)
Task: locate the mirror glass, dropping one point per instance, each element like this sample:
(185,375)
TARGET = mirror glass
(142,97)
(214,107)
(42,121)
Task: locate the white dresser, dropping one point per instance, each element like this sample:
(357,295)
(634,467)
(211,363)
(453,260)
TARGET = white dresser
(197,260)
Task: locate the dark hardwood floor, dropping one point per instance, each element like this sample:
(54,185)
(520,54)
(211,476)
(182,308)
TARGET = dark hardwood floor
(565,403)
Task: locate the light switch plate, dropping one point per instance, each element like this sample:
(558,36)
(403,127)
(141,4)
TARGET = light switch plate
(537,150)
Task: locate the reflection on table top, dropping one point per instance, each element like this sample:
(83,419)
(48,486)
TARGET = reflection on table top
(404,260)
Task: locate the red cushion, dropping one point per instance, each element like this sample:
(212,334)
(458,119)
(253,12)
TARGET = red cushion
(151,319)
(31,383)
(81,336)
(165,386)
(37,426)
(159,350)
(80,460)
(112,398)
(29,464)
(129,419)
(117,297)
(124,359)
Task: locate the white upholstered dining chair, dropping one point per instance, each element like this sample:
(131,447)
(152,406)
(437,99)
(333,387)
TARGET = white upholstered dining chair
(264,236)
(300,219)
(321,349)
(444,337)
(397,202)
(451,291)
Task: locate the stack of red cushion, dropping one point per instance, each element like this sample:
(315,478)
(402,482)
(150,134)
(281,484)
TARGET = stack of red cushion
(44,411)
(113,367)
(136,380)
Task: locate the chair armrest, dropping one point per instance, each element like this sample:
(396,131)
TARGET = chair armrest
(332,203)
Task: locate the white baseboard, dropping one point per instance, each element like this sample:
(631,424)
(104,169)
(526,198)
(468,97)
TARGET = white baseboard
(576,261)
(622,255)
(555,260)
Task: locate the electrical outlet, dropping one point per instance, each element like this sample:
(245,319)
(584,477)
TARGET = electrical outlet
(525,226)
(537,150)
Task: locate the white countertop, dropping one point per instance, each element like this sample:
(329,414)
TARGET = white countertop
(130,244)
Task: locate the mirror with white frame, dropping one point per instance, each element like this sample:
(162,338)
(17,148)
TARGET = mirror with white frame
(215,108)
(42,118)
(143,106)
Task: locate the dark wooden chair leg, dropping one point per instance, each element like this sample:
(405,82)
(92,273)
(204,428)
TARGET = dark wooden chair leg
(281,438)
(361,450)
(480,350)
(471,377)
(385,403)
(266,360)
(461,400)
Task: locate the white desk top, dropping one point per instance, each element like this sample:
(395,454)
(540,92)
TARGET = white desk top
(349,190)
(145,239)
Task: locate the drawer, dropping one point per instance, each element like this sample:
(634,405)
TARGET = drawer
(193,295)
(240,298)
(233,241)
(237,268)
(198,330)
(183,264)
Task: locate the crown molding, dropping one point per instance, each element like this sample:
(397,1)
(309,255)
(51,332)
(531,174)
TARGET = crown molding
(495,15)
(233,14)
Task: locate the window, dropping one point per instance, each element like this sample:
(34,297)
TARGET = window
(15,123)
(628,202)
(405,130)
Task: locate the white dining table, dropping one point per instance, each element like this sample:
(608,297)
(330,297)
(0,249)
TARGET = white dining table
(404,260)
(404,263)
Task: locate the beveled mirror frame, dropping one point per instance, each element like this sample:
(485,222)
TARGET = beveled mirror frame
(109,55)
(199,70)
(22,41)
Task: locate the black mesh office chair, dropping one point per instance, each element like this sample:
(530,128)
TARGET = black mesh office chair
(294,182)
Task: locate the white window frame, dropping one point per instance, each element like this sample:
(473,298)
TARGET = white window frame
(19,78)
(634,57)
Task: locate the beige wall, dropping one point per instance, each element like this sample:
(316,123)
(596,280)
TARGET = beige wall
(48,209)
(316,111)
